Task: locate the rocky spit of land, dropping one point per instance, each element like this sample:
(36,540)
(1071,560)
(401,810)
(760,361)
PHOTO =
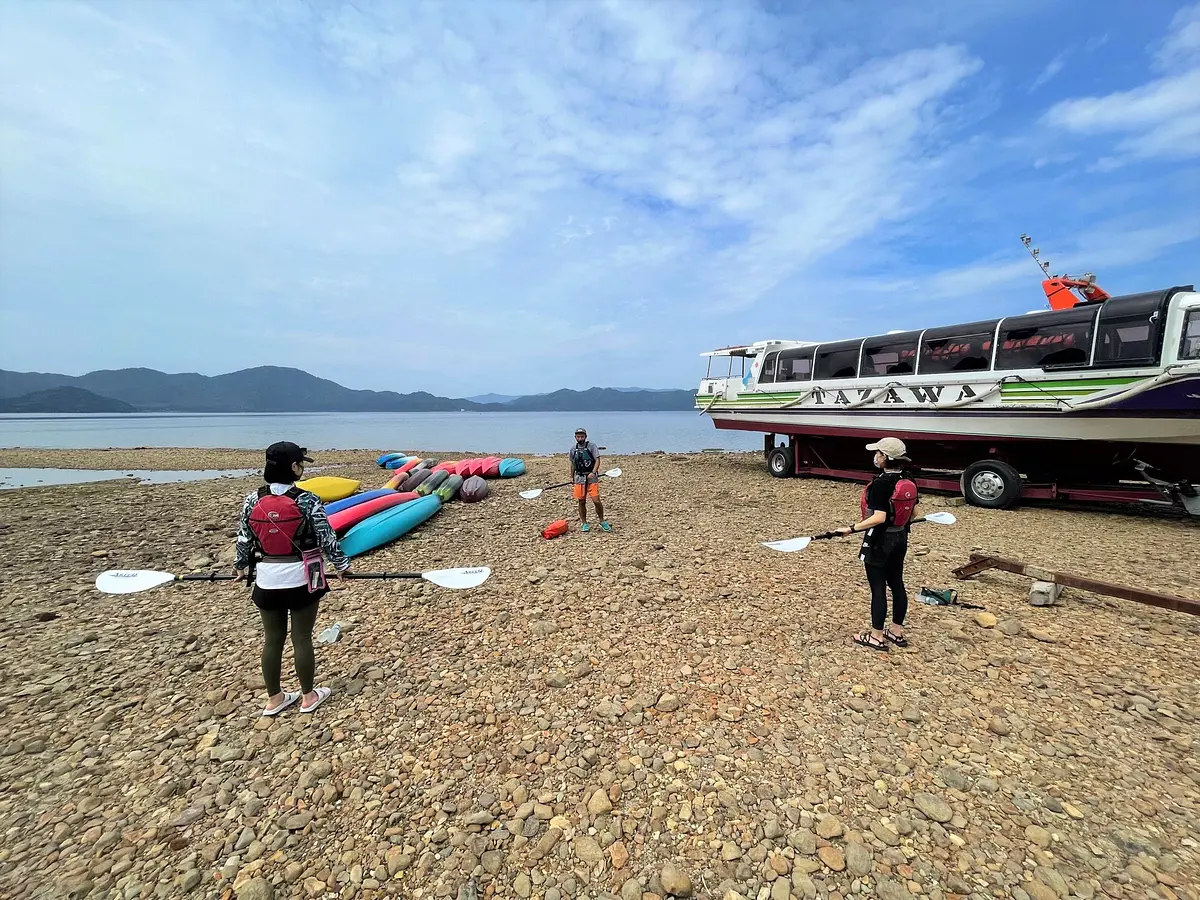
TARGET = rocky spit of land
(669,710)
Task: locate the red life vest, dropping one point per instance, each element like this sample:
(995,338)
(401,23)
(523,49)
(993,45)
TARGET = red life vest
(279,526)
(901,505)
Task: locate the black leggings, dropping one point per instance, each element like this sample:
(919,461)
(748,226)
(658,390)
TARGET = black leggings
(275,626)
(890,574)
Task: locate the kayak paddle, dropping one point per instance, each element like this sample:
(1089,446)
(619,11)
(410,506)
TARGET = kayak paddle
(794,544)
(131,581)
(537,492)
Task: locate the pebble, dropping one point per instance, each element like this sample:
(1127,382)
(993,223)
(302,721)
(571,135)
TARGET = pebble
(985,620)
(830,827)
(832,857)
(255,889)
(933,806)
(675,881)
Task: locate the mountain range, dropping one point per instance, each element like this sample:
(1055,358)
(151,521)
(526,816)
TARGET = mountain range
(270,389)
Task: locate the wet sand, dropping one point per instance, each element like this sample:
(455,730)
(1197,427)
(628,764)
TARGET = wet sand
(668,709)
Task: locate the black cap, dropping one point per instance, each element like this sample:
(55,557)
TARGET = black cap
(287,452)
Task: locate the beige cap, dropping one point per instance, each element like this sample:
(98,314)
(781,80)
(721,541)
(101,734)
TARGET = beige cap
(892,448)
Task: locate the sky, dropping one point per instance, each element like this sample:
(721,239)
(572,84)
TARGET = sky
(512,196)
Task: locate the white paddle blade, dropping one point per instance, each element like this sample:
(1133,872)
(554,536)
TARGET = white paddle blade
(613,473)
(941,518)
(789,546)
(130,581)
(533,494)
(458,579)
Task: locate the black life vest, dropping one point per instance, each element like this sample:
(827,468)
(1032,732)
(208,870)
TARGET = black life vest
(583,459)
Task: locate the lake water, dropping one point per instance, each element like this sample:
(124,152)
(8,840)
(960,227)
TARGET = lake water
(10,479)
(499,433)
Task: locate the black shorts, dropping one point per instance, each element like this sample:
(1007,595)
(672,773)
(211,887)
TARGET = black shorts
(286,598)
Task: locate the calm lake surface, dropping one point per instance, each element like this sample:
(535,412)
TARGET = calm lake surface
(485,432)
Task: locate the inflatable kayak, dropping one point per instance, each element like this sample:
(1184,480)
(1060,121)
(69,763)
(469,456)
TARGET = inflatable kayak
(346,519)
(473,489)
(355,499)
(511,468)
(430,484)
(397,462)
(491,467)
(329,487)
(415,477)
(384,458)
(450,467)
(384,527)
(448,489)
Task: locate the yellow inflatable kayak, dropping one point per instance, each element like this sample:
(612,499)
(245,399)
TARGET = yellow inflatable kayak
(329,487)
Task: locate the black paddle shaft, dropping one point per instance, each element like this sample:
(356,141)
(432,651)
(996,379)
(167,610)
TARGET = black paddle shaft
(214,576)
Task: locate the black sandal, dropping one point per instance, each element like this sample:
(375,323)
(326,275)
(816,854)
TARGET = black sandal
(898,639)
(866,639)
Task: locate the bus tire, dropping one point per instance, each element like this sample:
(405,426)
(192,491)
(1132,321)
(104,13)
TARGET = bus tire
(991,484)
(781,463)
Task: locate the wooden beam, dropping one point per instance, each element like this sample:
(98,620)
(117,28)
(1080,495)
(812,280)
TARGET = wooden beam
(981,562)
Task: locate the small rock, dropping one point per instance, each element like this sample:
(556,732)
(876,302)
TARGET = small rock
(522,886)
(998,726)
(1011,627)
(1040,634)
(985,620)
(859,860)
(832,857)
(933,807)
(730,851)
(1071,811)
(830,827)
(599,804)
(588,851)
(256,889)
(298,822)
(619,855)
(667,703)
(1038,835)
(675,881)
(886,889)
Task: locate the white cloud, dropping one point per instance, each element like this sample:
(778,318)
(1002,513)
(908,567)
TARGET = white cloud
(1160,119)
(1052,69)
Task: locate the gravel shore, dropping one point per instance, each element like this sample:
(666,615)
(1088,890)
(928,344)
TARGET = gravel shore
(669,710)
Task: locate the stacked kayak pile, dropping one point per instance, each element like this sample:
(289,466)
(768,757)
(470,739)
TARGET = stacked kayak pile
(417,489)
(463,479)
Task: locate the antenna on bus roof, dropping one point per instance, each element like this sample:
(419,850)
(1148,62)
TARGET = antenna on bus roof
(1035,253)
(1058,287)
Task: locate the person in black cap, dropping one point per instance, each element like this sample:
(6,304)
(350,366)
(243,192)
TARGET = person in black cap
(283,533)
(584,458)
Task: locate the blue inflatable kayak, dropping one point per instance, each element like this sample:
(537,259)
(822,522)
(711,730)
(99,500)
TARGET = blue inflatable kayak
(384,527)
(511,467)
(386,456)
(396,462)
(355,499)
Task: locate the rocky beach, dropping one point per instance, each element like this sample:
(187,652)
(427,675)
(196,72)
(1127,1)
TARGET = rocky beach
(669,710)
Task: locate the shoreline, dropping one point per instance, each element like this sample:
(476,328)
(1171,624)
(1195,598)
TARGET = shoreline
(193,458)
(603,707)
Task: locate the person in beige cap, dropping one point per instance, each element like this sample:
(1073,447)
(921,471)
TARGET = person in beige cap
(888,506)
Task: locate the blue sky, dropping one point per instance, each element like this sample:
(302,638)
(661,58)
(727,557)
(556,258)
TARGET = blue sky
(514,196)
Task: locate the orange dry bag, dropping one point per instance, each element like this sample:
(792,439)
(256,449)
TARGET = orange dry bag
(554,529)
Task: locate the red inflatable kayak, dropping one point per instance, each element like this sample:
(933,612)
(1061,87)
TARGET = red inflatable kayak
(346,519)
(491,467)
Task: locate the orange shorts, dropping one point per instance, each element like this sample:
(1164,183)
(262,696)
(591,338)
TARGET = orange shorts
(593,490)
